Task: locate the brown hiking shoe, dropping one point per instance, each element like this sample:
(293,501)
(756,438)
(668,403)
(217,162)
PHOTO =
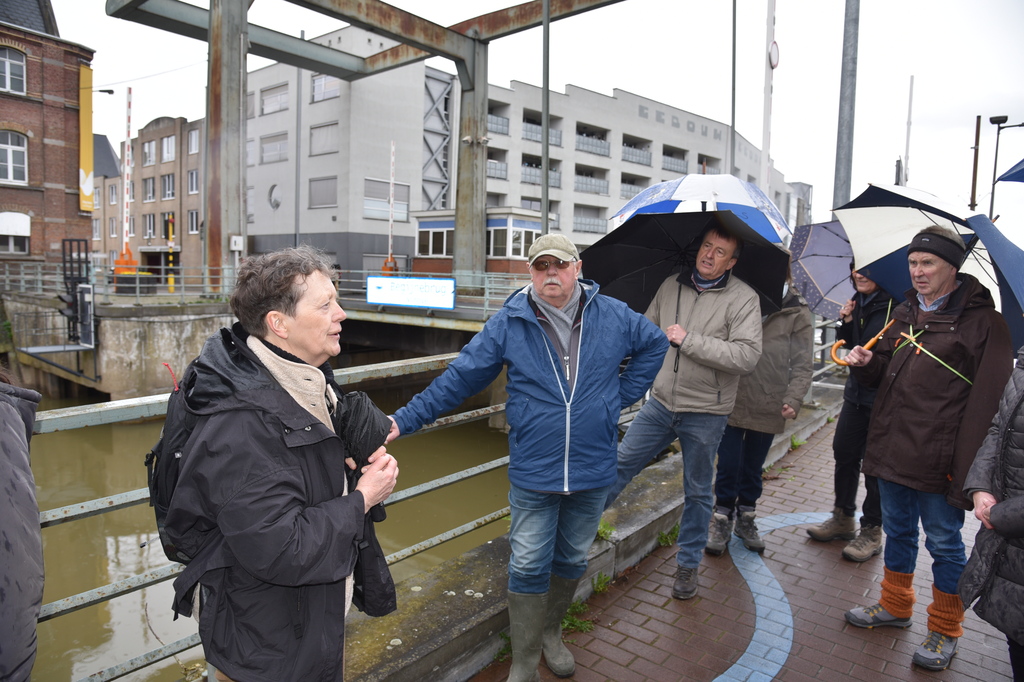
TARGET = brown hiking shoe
(867,544)
(840,526)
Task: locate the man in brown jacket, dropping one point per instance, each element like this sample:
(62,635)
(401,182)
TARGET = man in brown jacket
(940,370)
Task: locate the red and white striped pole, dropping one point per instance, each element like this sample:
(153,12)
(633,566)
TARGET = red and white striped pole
(126,162)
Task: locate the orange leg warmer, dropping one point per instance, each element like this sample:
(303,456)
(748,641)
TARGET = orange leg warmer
(946,614)
(898,594)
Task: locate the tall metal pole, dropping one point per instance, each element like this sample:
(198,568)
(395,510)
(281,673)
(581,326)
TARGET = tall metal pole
(770,62)
(732,114)
(298,146)
(126,161)
(974,175)
(545,119)
(995,167)
(847,104)
(910,112)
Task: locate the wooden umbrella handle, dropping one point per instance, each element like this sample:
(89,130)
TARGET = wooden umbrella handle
(867,346)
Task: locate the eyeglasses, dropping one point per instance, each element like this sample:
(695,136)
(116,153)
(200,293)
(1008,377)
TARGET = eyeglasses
(545,265)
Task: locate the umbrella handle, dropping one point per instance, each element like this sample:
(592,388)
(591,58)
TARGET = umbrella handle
(867,346)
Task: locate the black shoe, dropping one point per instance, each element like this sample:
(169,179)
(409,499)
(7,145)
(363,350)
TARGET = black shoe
(685,586)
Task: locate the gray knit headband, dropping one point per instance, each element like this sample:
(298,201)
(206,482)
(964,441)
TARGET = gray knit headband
(948,250)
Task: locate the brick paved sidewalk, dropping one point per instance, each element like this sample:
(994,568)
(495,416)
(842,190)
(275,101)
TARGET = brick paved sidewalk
(731,632)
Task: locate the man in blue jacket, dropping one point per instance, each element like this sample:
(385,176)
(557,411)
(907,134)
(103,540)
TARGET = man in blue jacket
(562,344)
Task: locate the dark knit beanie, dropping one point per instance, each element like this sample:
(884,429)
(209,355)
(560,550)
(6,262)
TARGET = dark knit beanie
(945,248)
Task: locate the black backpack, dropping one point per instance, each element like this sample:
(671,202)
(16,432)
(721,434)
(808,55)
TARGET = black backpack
(163,462)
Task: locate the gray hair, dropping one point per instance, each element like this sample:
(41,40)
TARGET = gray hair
(274,281)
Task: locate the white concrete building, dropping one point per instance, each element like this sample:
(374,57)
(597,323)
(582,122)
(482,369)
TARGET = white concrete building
(333,178)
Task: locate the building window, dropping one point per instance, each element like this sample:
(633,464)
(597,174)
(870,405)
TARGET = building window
(131,190)
(193,141)
(167,186)
(274,148)
(96,197)
(149,189)
(167,148)
(250,105)
(375,200)
(323,139)
(250,202)
(193,222)
(193,182)
(274,99)
(150,219)
(112,193)
(167,227)
(112,227)
(436,242)
(131,226)
(149,153)
(14,159)
(12,71)
(250,152)
(15,229)
(325,87)
(323,192)
(96,229)
(503,242)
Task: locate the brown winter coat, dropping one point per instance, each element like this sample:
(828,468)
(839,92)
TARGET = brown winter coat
(782,375)
(928,423)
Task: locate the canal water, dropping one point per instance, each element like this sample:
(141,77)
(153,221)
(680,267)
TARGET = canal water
(84,464)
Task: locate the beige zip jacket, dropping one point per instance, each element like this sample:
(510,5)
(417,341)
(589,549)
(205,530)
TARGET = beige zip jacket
(723,342)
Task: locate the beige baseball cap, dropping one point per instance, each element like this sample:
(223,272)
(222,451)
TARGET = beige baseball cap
(557,245)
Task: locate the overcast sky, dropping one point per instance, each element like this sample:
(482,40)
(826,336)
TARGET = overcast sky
(966,60)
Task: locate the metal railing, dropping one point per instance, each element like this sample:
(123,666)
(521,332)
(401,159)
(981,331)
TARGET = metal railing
(532,131)
(641,156)
(156,406)
(497,169)
(497,124)
(586,224)
(582,183)
(670,163)
(594,145)
(532,176)
(628,191)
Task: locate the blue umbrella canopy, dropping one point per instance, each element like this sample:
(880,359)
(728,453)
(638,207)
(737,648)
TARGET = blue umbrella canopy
(821,266)
(1015,174)
(698,193)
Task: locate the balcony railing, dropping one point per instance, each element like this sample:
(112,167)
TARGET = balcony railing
(532,176)
(590,185)
(629,191)
(497,169)
(593,145)
(670,163)
(532,131)
(641,156)
(585,224)
(708,170)
(497,124)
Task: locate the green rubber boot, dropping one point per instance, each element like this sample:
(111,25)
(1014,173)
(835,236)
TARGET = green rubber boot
(557,656)
(525,624)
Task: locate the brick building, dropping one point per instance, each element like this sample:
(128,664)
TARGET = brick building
(41,83)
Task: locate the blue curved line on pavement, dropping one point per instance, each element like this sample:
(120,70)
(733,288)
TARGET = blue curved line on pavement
(773,630)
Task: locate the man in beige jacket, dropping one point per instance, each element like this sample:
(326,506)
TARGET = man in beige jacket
(713,322)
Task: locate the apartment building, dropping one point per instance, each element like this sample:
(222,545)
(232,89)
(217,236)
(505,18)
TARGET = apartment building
(320,167)
(165,198)
(44,83)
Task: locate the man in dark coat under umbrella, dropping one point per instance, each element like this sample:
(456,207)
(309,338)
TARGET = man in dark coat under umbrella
(939,371)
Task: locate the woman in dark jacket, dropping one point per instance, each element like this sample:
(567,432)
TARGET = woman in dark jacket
(995,573)
(861,318)
(21,555)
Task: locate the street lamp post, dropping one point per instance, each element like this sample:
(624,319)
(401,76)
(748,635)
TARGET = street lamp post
(999,123)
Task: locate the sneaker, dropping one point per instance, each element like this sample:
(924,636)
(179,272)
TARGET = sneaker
(719,533)
(873,617)
(867,544)
(685,585)
(839,526)
(746,530)
(936,652)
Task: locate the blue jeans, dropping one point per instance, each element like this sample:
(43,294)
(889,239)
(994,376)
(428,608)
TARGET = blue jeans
(942,523)
(741,456)
(653,428)
(551,533)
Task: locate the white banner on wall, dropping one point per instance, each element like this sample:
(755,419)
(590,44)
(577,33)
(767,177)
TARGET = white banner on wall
(411,292)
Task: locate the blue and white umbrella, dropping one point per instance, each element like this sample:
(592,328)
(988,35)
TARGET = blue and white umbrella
(696,193)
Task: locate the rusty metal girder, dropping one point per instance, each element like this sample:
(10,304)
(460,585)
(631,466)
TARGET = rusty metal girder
(487,27)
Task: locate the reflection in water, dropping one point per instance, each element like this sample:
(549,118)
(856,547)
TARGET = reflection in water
(84,464)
